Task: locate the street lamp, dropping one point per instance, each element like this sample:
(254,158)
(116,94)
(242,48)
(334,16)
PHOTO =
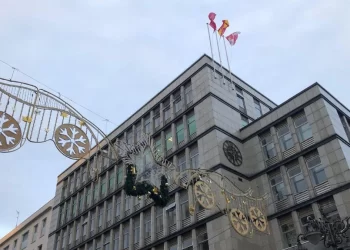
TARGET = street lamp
(332,233)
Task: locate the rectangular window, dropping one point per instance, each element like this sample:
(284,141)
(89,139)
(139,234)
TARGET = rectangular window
(67,215)
(288,232)
(100,216)
(84,174)
(239,90)
(116,240)
(74,206)
(118,206)
(316,168)
(303,214)
(188,94)
(268,146)
(173,245)
(81,201)
(184,205)
(57,243)
(89,246)
(171,214)
(64,239)
(296,178)
(257,106)
(7,248)
(103,185)
(111,180)
(194,157)
(88,196)
(169,140)
(147,124)
(14,245)
(77,181)
(244,121)
(98,244)
(181,161)
(62,215)
(285,137)
(180,132)
(77,231)
(147,220)
(329,209)
(156,119)
(129,137)
(177,102)
(126,237)
(277,186)
(92,221)
(109,211)
(119,175)
(202,239)
(136,230)
(158,145)
(71,183)
(138,131)
(70,235)
(95,194)
(127,203)
(166,110)
(302,127)
(187,242)
(106,243)
(191,122)
(35,232)
(85,223)
(241,104)
(159,219)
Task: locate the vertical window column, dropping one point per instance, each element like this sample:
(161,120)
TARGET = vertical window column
(289,233)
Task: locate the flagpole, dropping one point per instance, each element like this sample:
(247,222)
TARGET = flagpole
(211,49)
(217,42)
(228,62)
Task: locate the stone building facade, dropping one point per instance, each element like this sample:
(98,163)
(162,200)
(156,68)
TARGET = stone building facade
(297,152)
(30,234)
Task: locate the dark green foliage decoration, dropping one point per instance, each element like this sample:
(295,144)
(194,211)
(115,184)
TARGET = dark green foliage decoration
(160,195)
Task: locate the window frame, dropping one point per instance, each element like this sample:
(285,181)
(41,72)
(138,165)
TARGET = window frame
(281,137)
(311,169)
(292,178)
(276,196)
(299,127)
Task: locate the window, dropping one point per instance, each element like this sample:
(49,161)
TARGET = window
(84,175)
(244,121)
(181,160)
(329,210)
(109,211)
(7,248)
(103,185)
(64,238)
(14,245)
(171,214)
(288,232)
(35,232)
(285,137)
(303,215)
(158,145)
(297,180)
(77,231)
(71,185)
(116,240)
(147,124)
(80,202)
(302,127)
(126,237)
(40,247)
(166,110)
(316,169)
(188,94)
(98,244)
(100,216)
(159,219)
(127,203)
(187,242)
(268,146)
(74,206)
(277,186)
(191,121)
(257,106)
(194,157)
(202,239)
(67,216)
(88,196)
(241,104)
(85,222)
(106,242)
(185,213)
(239,90)
(169,140)
(70,234)
(77,181)
(129,137)
(62,215)
(119,175)
(180,132)
(95,194)
(92,221)
(147,220)
(89,246)
(156,118)
(138,131)
(118,206)
(177,102)
(64,189)
(136,230)
(173,245)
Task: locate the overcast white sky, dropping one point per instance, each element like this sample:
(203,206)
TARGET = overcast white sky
(112,56)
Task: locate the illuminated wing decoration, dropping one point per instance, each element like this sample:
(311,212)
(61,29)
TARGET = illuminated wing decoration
(28,113)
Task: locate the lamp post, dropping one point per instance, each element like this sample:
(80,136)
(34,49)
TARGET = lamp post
(332,233)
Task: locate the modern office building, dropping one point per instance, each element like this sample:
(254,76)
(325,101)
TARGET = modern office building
(297,151)
(30,234)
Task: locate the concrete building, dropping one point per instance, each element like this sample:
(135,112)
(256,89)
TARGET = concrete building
(297,151)
(31,234)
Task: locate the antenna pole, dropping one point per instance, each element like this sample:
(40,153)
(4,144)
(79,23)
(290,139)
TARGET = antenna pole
(17,218)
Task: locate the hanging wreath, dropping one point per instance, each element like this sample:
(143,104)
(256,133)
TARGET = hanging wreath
(159,195)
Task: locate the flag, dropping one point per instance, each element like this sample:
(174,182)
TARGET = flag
(212,24)
(223,27)
(233,37)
